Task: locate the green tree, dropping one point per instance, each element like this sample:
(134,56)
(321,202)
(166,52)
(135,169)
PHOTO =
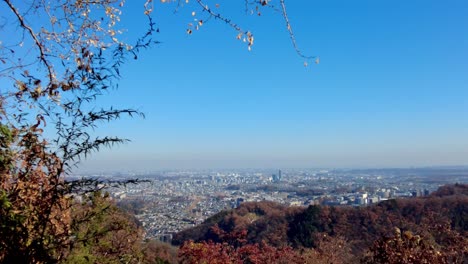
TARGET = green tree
(304,226)
(102,233)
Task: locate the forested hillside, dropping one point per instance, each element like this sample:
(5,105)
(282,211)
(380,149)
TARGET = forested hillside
(439,224)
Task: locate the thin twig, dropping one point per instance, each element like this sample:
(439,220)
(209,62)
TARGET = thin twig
(42,56)
(291,33)
(218,16)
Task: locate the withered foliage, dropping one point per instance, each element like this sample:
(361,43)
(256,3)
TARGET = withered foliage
(405,247)
(56,59)
(35,216)
(235,249)
(60,59)
(430,229)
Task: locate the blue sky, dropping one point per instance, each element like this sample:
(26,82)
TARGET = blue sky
(390,90)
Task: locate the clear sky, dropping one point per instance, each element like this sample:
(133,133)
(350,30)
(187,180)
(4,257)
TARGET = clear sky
(391,89)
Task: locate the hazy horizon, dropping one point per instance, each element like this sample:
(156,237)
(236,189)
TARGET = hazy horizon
(390,89)
(105,166)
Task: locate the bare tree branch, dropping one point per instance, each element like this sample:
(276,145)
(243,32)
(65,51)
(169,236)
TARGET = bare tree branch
(38,44)
(291,33)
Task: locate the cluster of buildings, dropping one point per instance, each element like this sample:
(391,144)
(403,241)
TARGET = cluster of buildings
(175,200)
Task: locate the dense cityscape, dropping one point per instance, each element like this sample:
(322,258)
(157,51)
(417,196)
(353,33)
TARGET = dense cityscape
(172,201)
